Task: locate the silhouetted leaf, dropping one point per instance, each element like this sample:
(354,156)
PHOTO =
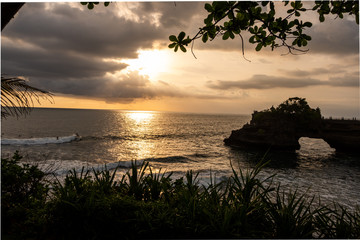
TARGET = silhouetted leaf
(258,47)
(205,37)
(262,22)
(306,37)
(208,20)
(172,45)
(182,48)
(232,36)
(173,38)
(307,24)
(252,39)
(208,7)
(240,16)
(181,36)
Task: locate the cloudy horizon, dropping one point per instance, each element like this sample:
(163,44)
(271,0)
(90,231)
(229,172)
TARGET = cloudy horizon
(116,57)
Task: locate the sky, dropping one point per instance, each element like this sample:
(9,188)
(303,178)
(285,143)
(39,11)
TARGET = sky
(116,57)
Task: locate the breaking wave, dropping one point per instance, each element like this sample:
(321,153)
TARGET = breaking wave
(40,141)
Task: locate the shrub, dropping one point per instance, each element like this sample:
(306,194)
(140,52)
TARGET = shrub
(23,195)
(92,205)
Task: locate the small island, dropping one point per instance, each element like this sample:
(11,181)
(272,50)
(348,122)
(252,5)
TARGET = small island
(281,128)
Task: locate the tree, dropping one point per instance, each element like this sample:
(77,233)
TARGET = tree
(294,111)
(231,19)
(8,11)
(17,96)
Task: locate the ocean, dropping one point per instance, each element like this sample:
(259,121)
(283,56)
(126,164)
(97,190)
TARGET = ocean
(59,140)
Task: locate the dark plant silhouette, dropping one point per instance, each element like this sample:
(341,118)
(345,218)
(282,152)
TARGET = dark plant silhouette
(8,11)
(17,96)
(141,205)
(231,19)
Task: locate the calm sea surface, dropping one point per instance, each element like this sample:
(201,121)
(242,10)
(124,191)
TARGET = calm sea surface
(174,142)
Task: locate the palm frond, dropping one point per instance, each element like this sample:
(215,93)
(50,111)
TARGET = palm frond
(17,96)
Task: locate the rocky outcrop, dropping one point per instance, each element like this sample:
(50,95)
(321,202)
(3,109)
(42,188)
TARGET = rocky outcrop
(343,135)
(280,128)
(256,137)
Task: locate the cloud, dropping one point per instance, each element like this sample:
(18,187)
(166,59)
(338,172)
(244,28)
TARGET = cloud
(123,87)
(268,82)
(173,14)
(348,80)
(89,33)
(61,47)
(335,37)
(36,62)
(313,72)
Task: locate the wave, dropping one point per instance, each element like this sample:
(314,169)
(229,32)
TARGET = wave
(136,137)
(40,141)
(121,164)
(62,167)
(170,159)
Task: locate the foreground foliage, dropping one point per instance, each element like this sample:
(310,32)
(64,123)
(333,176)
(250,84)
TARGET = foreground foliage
(144,204)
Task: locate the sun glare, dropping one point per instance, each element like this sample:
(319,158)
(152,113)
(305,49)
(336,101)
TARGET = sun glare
(140,116)
(149,62)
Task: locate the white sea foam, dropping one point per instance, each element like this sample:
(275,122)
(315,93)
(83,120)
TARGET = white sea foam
(62,167)
(39,141)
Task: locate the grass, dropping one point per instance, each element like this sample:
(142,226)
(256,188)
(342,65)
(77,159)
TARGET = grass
(143,204)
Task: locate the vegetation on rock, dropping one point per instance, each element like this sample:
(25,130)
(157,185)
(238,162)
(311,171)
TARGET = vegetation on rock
(294,111)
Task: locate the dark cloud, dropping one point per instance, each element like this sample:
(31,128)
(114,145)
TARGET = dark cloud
(91,33)
(314,72)
(335,37)
(120,88)
(52,63)
(173,14)
(62,47)
(269,82)
(264,82)
(348,80)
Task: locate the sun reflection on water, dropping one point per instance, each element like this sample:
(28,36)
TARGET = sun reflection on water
(140,116)
(141,128)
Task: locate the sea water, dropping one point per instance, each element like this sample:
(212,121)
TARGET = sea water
(59,140)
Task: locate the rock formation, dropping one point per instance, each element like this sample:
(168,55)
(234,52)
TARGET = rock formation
(280,128)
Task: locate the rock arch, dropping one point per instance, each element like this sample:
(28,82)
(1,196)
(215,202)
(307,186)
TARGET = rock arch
(282,127)
(343,135)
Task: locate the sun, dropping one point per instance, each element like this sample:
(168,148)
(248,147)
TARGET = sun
(149,62)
